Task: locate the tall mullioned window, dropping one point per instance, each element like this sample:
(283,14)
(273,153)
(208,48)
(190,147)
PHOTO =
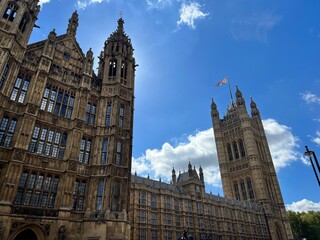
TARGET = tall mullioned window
(104,153)
(56,101)
(20,88)
(121,115)
(85,148)
(79,192)
(99,195)
(229,152)
(37,189)
(108,114)
(250,188)
(236,190)
(235,149)
(49,142)
(91,111)
(4,75)
(123,70)
(116,196)
(23,23)
(7,127)
(113,67)
(118,152)
(241,146)
(243,190)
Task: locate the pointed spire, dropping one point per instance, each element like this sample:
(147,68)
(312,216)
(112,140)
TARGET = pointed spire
(73,24)
(189,166)
(214,110)
(120,25)
(254,109)
(240,101)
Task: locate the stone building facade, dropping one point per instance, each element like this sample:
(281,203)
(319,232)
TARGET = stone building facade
(65,132)
(66,148)
(246,166)
(163,211)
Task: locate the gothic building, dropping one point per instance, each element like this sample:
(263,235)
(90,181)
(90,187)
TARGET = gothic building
(246,165)
(66,148)
(65,132)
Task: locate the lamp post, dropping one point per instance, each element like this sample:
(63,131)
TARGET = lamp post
(311,154)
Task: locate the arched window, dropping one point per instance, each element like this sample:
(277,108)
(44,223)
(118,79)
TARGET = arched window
(7,127)
(230,152)
(23,23)
(241,146)
(243,190)
(113,67)
(235,149)
(4,75)
(250,188)
(236,189)
(123,70)
(108,114)
(10,12)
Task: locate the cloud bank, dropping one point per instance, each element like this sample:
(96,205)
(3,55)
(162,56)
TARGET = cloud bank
(303,205)
(199,148)
(82,4)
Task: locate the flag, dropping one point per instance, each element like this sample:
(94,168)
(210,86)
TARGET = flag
(223,81)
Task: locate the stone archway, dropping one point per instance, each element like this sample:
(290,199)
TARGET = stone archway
(27,234)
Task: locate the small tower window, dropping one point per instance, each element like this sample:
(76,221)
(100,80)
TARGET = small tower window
(121,115)
(7,128)
(116,196)
(235,149)
(112,68)
(79,191)
(23,23)
(4,75)
(243,190)
(123,70)
(108,114)
(236,190)
(250,189)
(242,151)
(230,152)
(118,153)
(90,114)
(99,195)
(104,154)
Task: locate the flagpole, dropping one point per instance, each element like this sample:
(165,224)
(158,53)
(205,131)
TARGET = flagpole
(230,90)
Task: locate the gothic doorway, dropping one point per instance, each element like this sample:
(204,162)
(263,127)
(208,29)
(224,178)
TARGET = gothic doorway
(27,234)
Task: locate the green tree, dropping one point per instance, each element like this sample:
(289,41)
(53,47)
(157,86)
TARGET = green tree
(305,224)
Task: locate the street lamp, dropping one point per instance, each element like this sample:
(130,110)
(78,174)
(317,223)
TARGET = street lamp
(310,154)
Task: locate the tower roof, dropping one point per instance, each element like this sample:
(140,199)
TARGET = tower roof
(119,35)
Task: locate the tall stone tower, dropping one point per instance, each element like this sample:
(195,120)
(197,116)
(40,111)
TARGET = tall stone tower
(246,166)
(65,132)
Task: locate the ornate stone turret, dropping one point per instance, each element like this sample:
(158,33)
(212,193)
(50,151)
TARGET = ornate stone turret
(240,101)
(174,177)
(201,174)
(88,63)
(73,24)
(254,110)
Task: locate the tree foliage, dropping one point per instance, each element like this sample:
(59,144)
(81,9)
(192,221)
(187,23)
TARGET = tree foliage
(305,225)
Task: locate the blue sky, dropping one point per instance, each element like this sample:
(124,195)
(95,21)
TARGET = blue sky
(269,48)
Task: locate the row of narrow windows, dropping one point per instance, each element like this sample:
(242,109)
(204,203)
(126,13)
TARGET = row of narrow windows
(243,189)
(10,14)
(236,150)
(58,101)
(52,143)
(40,190)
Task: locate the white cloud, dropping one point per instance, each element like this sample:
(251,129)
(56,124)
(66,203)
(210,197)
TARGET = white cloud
(41,2)
(158,4)
(303,205)
(189,12)
(317,138)
(82,4)
(310,97)
(200,149)
(255,27)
